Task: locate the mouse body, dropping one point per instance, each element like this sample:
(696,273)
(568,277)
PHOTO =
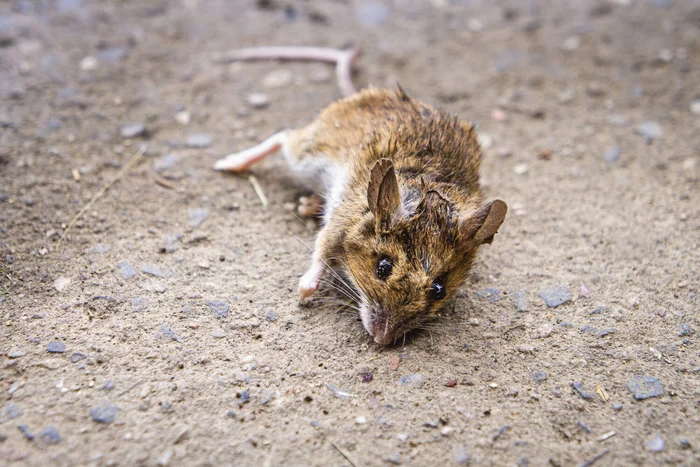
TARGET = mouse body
(403,215)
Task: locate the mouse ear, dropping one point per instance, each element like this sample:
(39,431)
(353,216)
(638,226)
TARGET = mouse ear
(484,223)
(383,194)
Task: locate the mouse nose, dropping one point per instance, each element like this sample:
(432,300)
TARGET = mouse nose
(383,332)
(382,339)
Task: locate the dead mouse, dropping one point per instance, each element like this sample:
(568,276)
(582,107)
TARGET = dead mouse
(403,215)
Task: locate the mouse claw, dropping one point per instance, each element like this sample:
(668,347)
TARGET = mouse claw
(310,206)
(309,282)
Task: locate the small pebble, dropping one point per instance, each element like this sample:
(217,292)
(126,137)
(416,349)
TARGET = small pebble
(218,333)
(105,413)
(695,106)
(617,406)
(133,130)
(685,444)
(394,362)
(153,270)
(650,130)
(88,63)
(77,356)
(645,387)
(555,296)
(271,316)
(244,396)
(618,120)
(655,443)
(521,169)
(15,352)
(539,376)
(258,100)
(198,140)
(183,117)
(25,431)
(265,396)
(13,410)
(519,300)
(595,90)
(197,216)
(526,348)
(56,347)
(571,44)
(490,294)
(612,155)
(339,393)
(578,387)
(361,420)
(412,381)
(126,271)
(485,140)
(461,455)
(450,383)
(50,435)
(218,308)
(686,330)
(139,304)
(61,283)
(277,79)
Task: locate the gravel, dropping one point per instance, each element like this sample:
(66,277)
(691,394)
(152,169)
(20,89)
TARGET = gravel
(258,100)
(271,316)
(198,140)
(412,381)
(645,387)
(15,352)
(555,296)
(686,330)
(133,130)
(519,300)
(50,435)
(56,347)
(197,216)
(13,410)
(612,155)
(218,308)
(126,270)
(100,248)
(153,270)
(77,356)
(578,387)
(105,413)
(655,443)
(166,332)
(26,432)
(490,294)
(650,130)
(277,79)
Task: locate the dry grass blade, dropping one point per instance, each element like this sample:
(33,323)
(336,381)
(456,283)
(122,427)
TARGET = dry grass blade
(258,190)
(343,453)
(134,159)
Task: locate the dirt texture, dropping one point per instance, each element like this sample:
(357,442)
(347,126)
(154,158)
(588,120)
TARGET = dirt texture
(166,329)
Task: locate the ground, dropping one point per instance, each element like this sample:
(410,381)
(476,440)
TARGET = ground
(166,329)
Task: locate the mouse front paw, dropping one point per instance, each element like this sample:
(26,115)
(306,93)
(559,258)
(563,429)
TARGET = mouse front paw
(309,282)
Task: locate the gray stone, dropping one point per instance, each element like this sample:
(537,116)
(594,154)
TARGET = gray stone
(645,387)
(218,308)
(111,54)
(371,13)
(139,304)
(655,443)
(686,330)
(271,315)
(133,130)
(617,406)
(265,396)
(695,106)
(126,271)
(77,356)
(490,294)
(105,413)
(15,352)
(343,394)
(56,347)
(218,333)
(412,381)
(50,435)
(198,140)
(164,163)
(618,120)
(650,130)
(539,376)
(13,410)
(244,396)
(519,300)
(100,248)
(166,332)
(26,432)
(197,216)
(612,155)
(555,296)
(578,387)
(153,270)
(461,455)
(258,100)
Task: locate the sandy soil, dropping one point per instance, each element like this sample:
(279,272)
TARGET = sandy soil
(166,329)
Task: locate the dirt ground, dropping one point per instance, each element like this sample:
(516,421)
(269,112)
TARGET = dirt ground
(166,329)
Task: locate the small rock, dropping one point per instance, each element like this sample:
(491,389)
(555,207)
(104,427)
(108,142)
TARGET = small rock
(521,169)
(519,300)
(394,362)
(77,356)
(695,106)
(618,120)
(450,383)
(61,283)
(412,381)
(277,79)
(13,410)
(166,332)
(56,347)
(489,293)
(570,44)
(485,140)
(526,348)
(339,393)
(133,130)
(650,130)
(218,333)
(26,432)
(595,90)
(198,140)
(218,308)
(139,304)
(244,396)
(540,376)
(461,455)
(555,296)
(685,444)
(258,100)
(183,117)
(371,13)
(15,352)
(686,330)
(271,316)
(655,443)
(88,63)
(612,155)
(566,96)
(645,387)
(164,163)
(105,413)
(578,387)
(153,270)
(265,396)
(100,248)
(617,406)
(361,420)
(126,271)
(197,216)
(165,458)
(50,435)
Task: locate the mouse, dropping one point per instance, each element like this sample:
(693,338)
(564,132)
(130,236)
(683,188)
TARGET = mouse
(403,215)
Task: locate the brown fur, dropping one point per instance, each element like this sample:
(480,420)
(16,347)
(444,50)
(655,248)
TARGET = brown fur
(413,195)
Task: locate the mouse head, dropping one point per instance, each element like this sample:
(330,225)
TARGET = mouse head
(412,251)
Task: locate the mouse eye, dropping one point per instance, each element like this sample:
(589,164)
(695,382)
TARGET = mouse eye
(384,268)
(438,290)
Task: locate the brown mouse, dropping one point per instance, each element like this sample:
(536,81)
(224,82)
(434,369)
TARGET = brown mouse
(403,216)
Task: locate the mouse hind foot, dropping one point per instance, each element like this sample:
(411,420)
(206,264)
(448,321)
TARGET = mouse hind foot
(240,161)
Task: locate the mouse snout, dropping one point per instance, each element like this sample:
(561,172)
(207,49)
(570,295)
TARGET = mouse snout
(382,330)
